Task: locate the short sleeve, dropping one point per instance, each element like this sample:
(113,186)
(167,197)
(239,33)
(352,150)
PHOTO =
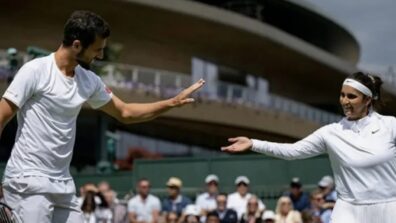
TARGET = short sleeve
(101,95)
(132,206)
(157,204)
(22,87)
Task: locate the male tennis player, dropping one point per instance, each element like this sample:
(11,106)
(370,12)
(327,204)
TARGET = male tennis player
(47,95)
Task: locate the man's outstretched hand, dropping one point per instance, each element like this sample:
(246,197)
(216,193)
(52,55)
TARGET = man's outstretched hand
(239,144)
(184,97)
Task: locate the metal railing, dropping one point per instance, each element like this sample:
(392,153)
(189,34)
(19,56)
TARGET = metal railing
(167,84)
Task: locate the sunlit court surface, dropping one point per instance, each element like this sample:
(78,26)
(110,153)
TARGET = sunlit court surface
(220,111)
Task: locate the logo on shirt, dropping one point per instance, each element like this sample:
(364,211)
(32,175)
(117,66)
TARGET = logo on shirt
(374,131)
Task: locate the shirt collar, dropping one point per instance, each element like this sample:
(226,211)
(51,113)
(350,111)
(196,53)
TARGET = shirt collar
(360,124)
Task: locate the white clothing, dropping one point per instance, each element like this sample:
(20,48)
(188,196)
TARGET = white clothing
(239,204)
(292,217)
(363,213)
(144,208)
(49,103)
(43,207)
(38,169)
(362,156)
(206,202)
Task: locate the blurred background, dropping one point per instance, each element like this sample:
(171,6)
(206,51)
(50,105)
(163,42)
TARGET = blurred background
(273,71)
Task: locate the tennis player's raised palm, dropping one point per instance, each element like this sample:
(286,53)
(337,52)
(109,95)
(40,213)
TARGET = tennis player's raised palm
(239,144)
(184,97)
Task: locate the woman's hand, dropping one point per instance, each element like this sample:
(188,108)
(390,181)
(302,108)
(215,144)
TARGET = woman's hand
(239,144)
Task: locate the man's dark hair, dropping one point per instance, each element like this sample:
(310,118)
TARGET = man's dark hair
(84,26)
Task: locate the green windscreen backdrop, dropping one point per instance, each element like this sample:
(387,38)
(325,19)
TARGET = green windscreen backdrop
(269,176)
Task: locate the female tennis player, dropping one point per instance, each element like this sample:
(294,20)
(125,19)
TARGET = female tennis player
(362,153)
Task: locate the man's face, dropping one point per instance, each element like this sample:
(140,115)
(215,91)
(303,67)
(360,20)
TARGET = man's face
(143,188)
(221,201)
(295,191)
(242,188)
(317,200)
(94,51)
(173,191)
(212,187)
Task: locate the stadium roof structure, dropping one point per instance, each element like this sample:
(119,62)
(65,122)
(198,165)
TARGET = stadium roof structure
(303,54)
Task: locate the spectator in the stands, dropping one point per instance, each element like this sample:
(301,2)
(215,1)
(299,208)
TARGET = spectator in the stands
(299,198)
(143,207)
(285,213)
(119,211)
(319,210)
(207,200)
(175,201)
(191,214)
(253,214)
(268,216)
(212,217)
(14,63)
(171,217)
(239,199)
(226,215)
(326,185)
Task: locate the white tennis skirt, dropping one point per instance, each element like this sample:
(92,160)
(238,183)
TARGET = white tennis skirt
(345,212)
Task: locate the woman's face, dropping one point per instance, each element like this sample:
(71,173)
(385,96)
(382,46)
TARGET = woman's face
(354,104)
(285,207)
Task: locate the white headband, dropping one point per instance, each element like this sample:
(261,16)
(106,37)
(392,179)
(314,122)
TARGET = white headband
(358,86)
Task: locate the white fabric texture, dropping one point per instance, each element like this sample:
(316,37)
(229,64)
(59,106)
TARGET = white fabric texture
(362,156)
(144,209)
(44,207)
(49,103)
(364,213)
(206,202)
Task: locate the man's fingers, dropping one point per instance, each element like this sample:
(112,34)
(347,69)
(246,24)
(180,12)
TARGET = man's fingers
(197,85)
(187,101)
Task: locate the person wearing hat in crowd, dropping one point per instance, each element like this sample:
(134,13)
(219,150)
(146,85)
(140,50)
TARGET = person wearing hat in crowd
(326,185)
(14,62)
(226,215)
(319,211)
(268,216)
(191,214)
(175,201)
(239,199)
(143,207)
(207,201)
(299,198)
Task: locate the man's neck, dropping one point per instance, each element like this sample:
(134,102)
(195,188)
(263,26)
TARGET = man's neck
(143,196)
(65,61)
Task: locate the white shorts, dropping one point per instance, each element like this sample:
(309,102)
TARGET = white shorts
(345,212)
(44,207)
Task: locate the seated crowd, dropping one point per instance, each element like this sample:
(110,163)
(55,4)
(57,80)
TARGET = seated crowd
(99,203)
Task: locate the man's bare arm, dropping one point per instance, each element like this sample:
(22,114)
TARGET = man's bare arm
(139,112)
(7,111)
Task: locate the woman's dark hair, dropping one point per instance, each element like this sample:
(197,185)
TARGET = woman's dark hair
(373,83)
(84,26)
(89,205)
